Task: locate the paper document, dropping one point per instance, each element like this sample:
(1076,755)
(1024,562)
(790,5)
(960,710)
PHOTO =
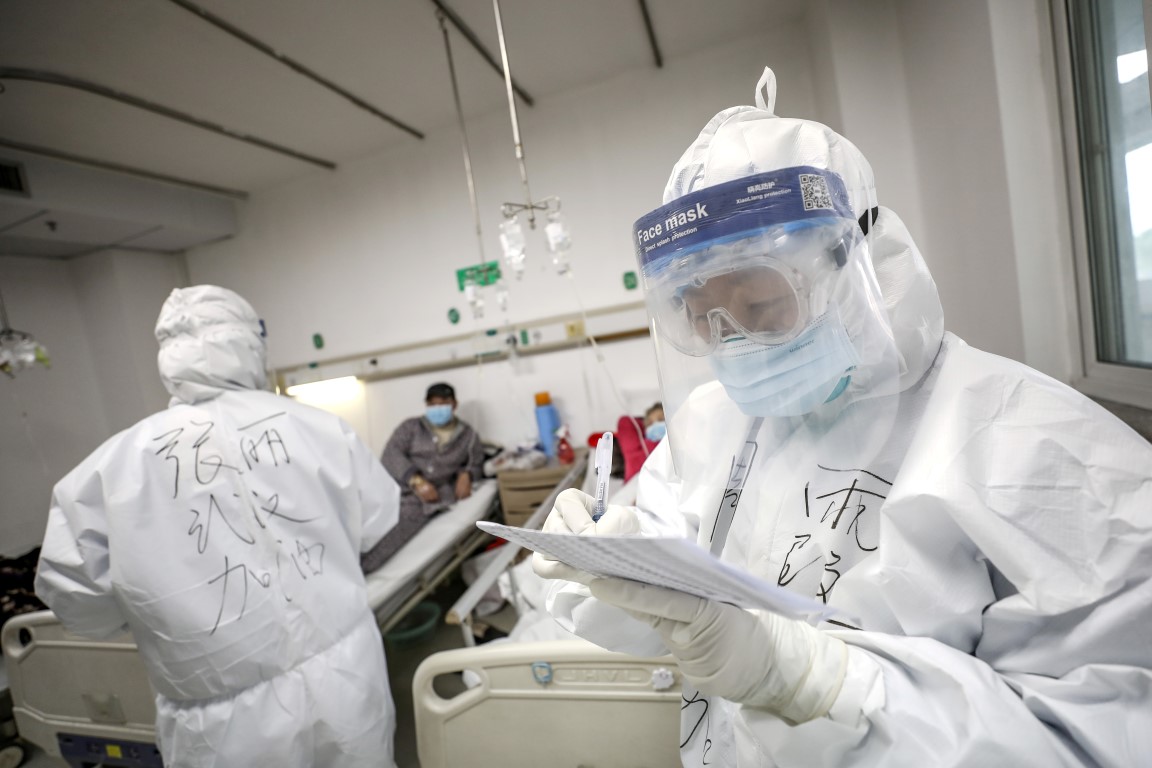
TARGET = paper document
(673,563)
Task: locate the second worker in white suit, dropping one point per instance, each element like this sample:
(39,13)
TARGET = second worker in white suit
(225,532)
(984,532)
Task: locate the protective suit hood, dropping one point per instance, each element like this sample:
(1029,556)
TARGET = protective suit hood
(745,140)
(210,341)
(914,311)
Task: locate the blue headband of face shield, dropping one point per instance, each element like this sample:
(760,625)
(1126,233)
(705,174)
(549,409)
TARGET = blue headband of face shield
(730,211)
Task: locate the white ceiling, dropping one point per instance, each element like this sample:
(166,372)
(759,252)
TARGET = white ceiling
(388,52)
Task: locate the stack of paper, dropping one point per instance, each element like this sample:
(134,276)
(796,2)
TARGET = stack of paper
(673,563)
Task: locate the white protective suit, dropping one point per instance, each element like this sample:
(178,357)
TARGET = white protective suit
(225,534)
(986,534)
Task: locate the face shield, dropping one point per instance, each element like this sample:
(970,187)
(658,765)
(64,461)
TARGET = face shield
(762,300)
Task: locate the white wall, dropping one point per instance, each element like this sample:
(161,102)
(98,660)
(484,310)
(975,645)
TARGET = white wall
(367,255)
(857,46)
(968,242)
(120,294)
(95,316)
(1041,235)
(51,418)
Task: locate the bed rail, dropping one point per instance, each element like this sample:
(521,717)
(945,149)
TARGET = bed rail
(461,611)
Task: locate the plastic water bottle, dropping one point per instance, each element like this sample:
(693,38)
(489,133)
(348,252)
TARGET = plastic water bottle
(547,422)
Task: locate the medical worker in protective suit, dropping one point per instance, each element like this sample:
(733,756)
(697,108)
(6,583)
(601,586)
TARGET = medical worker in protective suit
(225,534)
(982,533)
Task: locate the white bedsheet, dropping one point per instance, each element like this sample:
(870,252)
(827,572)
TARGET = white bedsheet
(429,545)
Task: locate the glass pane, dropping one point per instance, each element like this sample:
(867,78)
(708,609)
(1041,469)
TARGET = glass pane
(1111,62)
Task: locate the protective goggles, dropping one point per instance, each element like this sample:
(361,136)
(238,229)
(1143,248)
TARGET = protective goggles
(748,261)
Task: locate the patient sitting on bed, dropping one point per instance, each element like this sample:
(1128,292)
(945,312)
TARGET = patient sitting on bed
(435,458)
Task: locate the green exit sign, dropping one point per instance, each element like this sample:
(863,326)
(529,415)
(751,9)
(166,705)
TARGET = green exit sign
(480,274)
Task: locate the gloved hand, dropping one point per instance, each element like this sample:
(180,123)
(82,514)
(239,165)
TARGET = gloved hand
(757,658)
(572,513)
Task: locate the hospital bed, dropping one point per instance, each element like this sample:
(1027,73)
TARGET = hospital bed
(89,701)
(431,556)
(582,475)
(557,702)
(560,703)
(11,751)
(85,701)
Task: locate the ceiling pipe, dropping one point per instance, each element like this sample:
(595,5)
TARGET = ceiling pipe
(54,78)
(651,33)
(107,166)
(292,64)
(471,37)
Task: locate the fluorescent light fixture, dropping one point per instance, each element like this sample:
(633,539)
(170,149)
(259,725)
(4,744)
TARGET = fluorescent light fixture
(1130,66)
(327,391)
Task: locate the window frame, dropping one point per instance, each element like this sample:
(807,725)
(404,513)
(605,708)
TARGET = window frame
(1128,384)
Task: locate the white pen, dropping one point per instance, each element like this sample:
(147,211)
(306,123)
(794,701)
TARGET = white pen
(603,469)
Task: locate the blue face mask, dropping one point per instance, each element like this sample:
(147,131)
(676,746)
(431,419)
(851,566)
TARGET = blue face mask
(787,379)
(656,431)
(438,415)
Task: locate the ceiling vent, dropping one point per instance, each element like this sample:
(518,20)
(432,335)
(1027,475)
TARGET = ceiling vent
(61,209)
(12,178)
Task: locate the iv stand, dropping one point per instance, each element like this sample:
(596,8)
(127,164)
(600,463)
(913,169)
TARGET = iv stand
(464,132)
(511,209)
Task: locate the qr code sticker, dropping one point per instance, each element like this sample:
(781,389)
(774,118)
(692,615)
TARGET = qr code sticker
(814,190)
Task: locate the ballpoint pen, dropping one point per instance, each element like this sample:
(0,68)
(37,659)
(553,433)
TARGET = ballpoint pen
(603,469)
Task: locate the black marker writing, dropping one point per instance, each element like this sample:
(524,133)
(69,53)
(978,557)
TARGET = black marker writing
(264,580)
(203,529)
(312,557)
(212,461)
(168,448)
(786,572)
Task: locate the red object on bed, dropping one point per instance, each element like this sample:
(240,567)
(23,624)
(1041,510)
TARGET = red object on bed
(633,445)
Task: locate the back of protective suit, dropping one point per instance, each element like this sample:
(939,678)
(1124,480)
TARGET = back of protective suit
(225,533)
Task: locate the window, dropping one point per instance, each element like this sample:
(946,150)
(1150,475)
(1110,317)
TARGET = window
(1108,58)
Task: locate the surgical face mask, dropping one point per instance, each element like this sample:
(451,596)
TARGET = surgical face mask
(788,379)
(438,415)
(656,431)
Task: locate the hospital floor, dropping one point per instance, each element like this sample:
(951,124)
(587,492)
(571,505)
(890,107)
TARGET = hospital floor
(402,664)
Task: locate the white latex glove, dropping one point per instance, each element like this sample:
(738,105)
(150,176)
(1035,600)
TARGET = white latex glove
(572,513)
(756,658)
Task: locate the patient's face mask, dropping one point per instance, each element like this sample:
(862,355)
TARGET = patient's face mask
(656,431)
(438,415)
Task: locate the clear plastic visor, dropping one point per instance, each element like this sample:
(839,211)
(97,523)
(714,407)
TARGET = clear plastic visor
(761,287)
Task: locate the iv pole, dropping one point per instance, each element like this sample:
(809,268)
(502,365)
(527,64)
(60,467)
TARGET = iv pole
(464,132)
(511,209)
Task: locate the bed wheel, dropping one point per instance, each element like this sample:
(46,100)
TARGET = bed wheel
(11,756)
